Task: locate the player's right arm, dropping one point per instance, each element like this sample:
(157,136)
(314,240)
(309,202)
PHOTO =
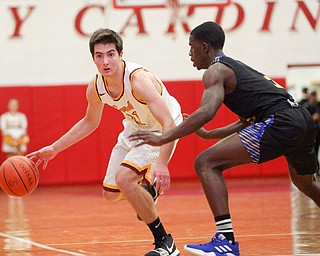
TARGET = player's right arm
(79,131)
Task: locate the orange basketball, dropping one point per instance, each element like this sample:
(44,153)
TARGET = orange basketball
(19,176)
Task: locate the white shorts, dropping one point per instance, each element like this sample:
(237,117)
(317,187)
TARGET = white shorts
(141,159)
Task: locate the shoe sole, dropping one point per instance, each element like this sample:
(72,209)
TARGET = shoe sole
(175,253)
(202,253)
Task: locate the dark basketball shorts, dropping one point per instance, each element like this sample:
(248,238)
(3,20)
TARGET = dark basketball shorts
(290,133)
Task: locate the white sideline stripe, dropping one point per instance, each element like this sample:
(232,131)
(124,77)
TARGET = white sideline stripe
(27,241)
(187,239)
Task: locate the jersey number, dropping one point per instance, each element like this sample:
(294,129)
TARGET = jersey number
(135,117)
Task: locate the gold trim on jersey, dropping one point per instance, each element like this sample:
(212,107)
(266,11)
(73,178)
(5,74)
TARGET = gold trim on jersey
(132,91)
(160,84)
(133,72)
(95,83)
(131,77)
(105,82)
(106,86)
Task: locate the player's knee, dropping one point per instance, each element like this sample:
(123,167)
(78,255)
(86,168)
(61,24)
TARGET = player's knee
(200,162)
(197,164)
(203,162)
(112,196)
(121,179)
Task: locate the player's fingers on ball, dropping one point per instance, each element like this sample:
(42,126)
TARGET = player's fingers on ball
(38,162)
(31,157)
(32,160)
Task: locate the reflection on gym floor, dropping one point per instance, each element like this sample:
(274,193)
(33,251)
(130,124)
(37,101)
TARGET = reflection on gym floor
(270,218)
(305,224)
(16,228)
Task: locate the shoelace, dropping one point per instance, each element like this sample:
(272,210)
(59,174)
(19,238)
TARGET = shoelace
(212,240)
(160,243)
(215,239)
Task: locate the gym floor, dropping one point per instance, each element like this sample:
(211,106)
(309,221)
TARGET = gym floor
(270,217)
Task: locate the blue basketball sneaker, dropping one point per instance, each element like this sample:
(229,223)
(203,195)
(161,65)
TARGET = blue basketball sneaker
(219,246)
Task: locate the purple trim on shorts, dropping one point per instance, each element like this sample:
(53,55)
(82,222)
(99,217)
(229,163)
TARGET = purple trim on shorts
(251,137)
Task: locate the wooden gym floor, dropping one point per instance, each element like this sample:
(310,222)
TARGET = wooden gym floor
(269,217)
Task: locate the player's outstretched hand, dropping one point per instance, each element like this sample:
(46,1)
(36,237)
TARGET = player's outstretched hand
(146,138)
(42,156)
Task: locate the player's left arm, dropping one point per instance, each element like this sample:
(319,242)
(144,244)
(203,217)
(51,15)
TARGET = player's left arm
(221,132)
(147,88)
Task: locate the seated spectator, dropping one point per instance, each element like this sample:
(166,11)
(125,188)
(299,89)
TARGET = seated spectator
(13,126)
(305,97)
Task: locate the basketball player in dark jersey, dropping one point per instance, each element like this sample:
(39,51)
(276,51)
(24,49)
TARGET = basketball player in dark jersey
(271,125)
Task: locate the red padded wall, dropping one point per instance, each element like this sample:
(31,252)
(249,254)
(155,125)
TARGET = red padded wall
(52,110)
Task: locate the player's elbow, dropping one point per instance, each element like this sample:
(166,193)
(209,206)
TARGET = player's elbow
(95,125)
(91,123)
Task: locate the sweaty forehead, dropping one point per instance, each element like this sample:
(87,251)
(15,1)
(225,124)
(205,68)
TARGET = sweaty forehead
(104,47)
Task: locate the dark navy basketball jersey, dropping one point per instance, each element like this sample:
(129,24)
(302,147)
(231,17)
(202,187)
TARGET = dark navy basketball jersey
(255,94)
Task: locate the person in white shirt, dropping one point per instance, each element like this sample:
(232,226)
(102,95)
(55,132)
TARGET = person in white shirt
(14,130)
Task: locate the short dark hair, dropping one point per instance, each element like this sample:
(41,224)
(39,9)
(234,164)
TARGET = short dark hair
(313,93)
(211,33)
(105,36)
